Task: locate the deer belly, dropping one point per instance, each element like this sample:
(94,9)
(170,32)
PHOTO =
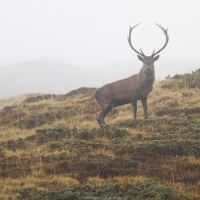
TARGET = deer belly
(119,102)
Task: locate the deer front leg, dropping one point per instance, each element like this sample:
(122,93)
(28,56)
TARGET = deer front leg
(134,105)
(144,104)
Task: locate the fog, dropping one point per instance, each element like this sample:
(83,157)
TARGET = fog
(54,46)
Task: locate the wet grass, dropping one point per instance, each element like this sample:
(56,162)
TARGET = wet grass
(52,148)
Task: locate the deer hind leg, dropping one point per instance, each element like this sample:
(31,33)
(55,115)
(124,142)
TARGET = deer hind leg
(104,111)
(100,118)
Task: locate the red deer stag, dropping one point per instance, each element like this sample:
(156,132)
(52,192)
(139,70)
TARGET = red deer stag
(131,89)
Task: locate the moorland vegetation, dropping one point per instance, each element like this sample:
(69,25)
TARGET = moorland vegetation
(51,146)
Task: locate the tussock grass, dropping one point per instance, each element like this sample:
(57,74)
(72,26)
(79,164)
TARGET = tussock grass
(52,147)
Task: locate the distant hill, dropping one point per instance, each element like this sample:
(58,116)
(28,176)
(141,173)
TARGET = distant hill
(45,76)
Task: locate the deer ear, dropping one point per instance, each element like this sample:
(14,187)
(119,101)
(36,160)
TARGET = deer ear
(140,58)
(156,58)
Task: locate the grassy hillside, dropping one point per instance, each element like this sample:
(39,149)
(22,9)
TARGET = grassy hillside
(52,147)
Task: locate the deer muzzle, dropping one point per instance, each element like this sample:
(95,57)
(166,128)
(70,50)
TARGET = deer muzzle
(148,71)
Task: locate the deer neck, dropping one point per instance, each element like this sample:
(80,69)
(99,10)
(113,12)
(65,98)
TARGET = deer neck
(145,79)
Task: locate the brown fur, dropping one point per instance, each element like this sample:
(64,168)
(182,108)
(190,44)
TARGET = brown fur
(129,90)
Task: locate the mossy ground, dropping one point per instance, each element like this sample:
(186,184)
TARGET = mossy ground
(52,147)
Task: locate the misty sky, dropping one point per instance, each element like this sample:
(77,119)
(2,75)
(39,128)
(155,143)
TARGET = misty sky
(95,31)
(89,33)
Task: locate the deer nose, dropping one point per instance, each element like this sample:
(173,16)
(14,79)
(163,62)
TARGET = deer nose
(148,70)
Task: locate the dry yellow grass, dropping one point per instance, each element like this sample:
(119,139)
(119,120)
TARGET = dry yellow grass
(84,111)
(14,133)
(38,182)
(98,181)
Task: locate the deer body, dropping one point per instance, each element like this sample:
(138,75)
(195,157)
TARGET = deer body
(129,90)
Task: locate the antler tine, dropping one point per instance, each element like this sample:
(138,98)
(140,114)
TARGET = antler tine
(130,43)
(166,41)
(153,53)
(162,27)
(142,53)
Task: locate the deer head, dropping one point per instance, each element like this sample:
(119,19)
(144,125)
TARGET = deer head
(148,61)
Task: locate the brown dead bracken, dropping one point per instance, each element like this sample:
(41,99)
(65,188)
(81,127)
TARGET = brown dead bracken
(131,89)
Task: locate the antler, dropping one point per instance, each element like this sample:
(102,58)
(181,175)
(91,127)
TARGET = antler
(167,39)
(130,43)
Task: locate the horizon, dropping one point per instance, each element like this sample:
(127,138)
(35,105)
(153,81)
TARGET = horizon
(91,35)
(58,77)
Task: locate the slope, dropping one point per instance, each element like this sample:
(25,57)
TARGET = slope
(52,148)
